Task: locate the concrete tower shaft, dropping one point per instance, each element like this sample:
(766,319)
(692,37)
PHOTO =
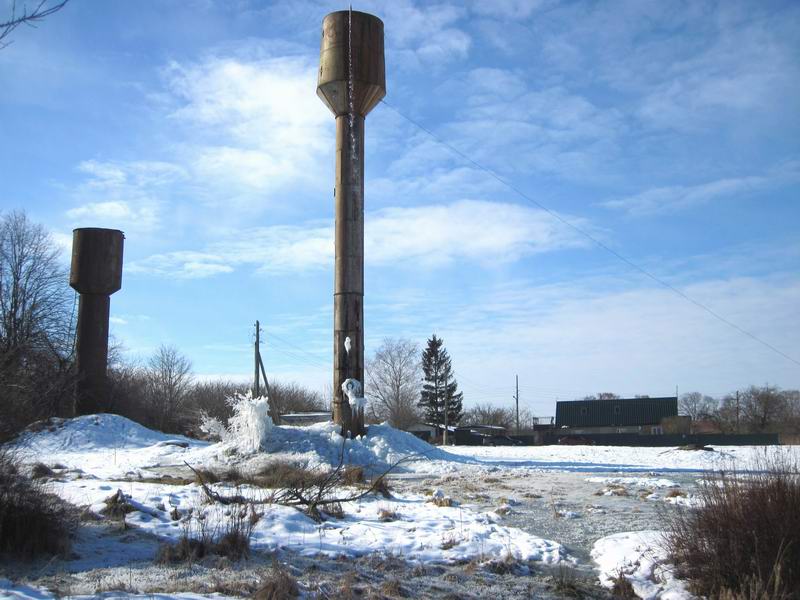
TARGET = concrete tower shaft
(351,82)
(96,273)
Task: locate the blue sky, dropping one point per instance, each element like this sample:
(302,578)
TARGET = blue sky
(667,130)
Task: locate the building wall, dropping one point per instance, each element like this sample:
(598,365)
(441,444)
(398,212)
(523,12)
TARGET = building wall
(622,412)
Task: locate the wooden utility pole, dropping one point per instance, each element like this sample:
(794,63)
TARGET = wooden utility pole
(257,359)
(446,398)
(516,399)
(737,411)
(259,366)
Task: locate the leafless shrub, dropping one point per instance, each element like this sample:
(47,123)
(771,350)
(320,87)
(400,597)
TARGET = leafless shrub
(117,506)
(675,493)
(315,495)
(744,539)
(32,521)
(41,471)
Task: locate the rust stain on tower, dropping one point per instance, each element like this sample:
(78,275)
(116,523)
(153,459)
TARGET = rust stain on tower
(351,82)
(96,273)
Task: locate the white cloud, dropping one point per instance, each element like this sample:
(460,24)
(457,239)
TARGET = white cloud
(127,195)
(679,197)
(506,9)
(470,230)
(423,35)
(591,335)
(427,236)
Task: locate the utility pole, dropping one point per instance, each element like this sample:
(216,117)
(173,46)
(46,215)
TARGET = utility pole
(257,357)
(737,411)
(516,399)
(446,398)
(259,366)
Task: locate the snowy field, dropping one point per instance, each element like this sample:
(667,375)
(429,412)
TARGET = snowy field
(536,508)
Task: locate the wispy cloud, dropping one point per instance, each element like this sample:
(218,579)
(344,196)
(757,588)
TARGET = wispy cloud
(123,195)
(476,232)
(256,124)
(674,198)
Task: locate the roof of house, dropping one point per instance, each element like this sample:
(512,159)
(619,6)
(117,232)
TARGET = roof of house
(618,412)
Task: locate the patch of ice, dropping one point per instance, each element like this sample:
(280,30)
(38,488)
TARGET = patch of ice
(645,482)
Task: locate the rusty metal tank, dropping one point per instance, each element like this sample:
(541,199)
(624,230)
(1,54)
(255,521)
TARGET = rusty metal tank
(352,42)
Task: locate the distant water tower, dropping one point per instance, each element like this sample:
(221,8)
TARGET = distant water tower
(96,273)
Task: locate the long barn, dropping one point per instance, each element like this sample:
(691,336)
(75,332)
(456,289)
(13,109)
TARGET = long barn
(618,415)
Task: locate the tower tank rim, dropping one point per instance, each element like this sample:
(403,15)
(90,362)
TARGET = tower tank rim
(354,12)
(98,229)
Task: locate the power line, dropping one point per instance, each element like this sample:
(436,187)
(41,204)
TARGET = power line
(590,237)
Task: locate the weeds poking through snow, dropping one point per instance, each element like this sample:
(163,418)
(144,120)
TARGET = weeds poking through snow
(565,581)
(314,493)
(277,585)
(200,539)
(743,541)
(392,587)
(387,514)
(117,506)
(623,588)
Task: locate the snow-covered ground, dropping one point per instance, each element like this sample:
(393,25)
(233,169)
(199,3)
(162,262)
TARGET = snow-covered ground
(586,459)
(105,453)
(98,456)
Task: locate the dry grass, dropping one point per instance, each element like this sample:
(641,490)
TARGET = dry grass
(232,541)
(675,493)
(565,581)
(353,475)
(622,588)
(116,506)
(388,514)
(32,521)
(744,540)
(392,587)
(444,501)
(381,486)
(334,510)
(448,541)
(278,584)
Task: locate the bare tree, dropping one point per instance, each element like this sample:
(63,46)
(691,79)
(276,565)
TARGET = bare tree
(292,397)
(393,382)
(41,9)
(35,309)
(696,405)
(763,408)
(488,414)
(34,297)
(169,377)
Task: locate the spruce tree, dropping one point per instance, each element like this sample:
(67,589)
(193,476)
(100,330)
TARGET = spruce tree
(439,387)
